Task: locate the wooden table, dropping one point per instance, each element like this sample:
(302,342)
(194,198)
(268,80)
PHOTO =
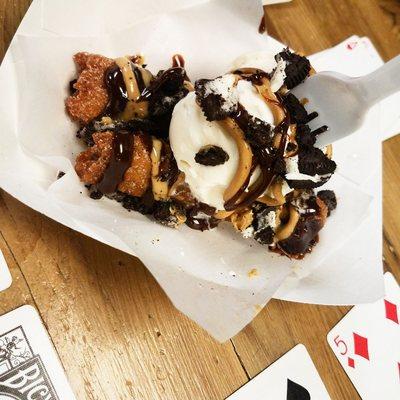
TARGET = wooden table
(116,332)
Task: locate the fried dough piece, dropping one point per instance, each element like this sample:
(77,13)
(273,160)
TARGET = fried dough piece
(91,97)
(137,176)
(91,163)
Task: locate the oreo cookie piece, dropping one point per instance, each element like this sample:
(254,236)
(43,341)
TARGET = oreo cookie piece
(263,223)
(168,213)
(304,136)
(265,236)
(145,204)
(313,161)
(215,107)
(259,134)
(297,68)
(211,156)
(297,112)
(164,92)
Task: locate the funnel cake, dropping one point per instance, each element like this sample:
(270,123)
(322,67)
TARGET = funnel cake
(235,149)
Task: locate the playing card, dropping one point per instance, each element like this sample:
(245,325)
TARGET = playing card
(367,344)
(5,276)
(269,2)
(291,377)
(29,366)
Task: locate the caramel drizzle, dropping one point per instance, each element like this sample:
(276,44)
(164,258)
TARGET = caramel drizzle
(160,188)
(235,195)
(134,107)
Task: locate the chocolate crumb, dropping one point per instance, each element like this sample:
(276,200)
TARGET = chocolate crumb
(211,156)
(60,174)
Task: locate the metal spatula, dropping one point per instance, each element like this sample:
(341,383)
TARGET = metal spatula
(342,102)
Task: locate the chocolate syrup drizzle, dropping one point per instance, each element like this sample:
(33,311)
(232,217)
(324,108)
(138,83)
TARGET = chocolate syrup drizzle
(265,157)
(116,88)
(177,75)
(120,161)
(123,139)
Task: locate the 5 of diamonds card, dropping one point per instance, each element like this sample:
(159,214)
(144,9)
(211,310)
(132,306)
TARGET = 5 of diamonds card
(367,344)
(29,366)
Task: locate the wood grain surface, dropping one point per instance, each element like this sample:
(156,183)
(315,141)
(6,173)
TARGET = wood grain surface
(117,334)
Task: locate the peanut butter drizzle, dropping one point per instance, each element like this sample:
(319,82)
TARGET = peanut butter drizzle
(284,231)
(238,182)
(133,108)
(275,189)
(245,158)
(159,188)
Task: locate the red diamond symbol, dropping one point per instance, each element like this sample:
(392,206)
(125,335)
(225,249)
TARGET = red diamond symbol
(350,362)
(361,345)
(391,311)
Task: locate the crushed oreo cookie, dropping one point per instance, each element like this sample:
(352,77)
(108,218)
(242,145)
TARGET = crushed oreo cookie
(263,223)
(265,235)
(168,213)
(145,204)
(304,136)
(296,111)
(297,68)
(211,156)
(259,133)
(313,161)
(215,107)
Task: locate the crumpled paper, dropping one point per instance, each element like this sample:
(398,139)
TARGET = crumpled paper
(216,278)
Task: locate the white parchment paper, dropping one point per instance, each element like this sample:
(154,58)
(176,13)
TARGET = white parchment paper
(206,275)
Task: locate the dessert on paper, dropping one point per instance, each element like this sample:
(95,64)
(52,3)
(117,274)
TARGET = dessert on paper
(236,148)
(206,274)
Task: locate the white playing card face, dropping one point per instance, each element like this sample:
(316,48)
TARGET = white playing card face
(5,276)
(367,344)
(291,377)
(29,366)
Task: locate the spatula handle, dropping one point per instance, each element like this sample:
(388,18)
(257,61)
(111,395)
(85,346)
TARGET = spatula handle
(379,84)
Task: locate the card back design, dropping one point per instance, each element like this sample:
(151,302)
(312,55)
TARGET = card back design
(29,366)
(23,375)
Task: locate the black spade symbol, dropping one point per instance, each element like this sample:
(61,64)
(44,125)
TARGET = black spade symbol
(296,391)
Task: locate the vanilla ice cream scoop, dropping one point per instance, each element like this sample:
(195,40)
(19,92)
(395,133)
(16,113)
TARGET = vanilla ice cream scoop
(190,132)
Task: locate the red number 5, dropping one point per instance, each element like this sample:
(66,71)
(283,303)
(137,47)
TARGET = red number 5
(340,342)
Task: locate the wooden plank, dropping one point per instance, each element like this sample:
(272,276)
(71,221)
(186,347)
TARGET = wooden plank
(18,293)
(310,26)
(116,332)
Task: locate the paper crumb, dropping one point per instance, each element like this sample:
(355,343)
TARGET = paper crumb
(253,273)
